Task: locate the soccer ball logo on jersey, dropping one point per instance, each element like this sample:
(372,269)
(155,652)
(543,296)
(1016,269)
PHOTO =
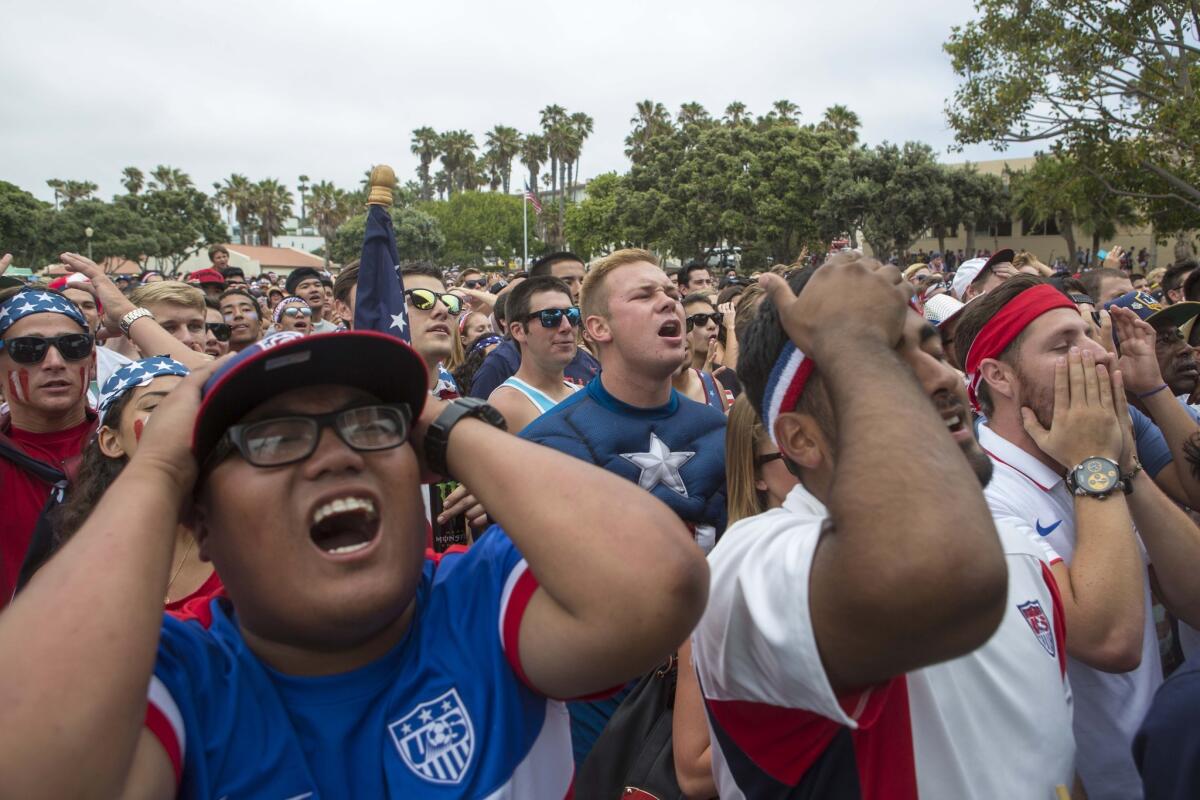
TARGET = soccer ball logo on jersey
(436,739)
(1040,623)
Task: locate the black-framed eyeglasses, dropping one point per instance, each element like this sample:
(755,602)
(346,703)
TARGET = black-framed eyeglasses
(475,283)
(279,441)
(32,349)
(423,300)
(552,317)
(763,460)
(701,319)
(221,331)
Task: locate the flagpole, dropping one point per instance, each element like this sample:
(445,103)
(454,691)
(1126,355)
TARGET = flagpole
(525,227)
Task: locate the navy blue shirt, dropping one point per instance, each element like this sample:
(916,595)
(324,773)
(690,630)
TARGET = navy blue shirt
(1167,748)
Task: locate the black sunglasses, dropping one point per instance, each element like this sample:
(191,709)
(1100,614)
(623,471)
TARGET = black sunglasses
(32,349)
(423,300)
(285,440)
(221,331)
(700,319)
(767,459)
(552,317)
(475,283)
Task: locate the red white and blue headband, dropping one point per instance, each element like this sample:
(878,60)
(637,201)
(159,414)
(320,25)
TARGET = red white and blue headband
(135,374)
(785,384)
(35,301)
(1005,326)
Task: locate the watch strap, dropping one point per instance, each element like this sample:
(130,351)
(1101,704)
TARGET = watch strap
(437,437)
(133,316)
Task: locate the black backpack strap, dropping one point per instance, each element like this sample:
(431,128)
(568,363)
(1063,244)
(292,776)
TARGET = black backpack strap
(39,469)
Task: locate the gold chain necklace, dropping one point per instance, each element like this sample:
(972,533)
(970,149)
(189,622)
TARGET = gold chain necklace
(179,569)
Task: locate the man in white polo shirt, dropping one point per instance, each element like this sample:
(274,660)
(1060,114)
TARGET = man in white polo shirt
(1032,370)
(808,695)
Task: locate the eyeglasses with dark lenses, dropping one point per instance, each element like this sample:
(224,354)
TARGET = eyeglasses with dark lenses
(767,459)
(552,317)
(285,440)
(701,319)
(32,349)
(423,300)
(475,284)
(295,311)
(220,330)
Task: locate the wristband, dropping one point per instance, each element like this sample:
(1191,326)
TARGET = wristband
(1153,391)
(1127,478)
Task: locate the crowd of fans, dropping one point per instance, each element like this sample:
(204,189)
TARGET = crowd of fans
(837,529)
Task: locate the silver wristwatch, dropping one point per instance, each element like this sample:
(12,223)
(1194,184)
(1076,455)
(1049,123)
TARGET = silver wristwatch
(132,317)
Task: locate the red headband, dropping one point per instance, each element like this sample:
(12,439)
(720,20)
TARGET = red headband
(1006,325)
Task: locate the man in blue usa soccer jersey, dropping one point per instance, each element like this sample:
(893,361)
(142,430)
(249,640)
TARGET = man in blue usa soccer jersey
(630,421)
(343,662)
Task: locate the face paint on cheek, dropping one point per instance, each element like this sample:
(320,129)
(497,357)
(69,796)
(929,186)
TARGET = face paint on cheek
(18,385)
(83,381)
(138,425)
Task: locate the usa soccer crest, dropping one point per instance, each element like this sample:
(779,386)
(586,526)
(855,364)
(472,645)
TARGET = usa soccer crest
(1040,623)
(436,739)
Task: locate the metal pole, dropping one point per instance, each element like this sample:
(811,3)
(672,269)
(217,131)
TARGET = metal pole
(525,226)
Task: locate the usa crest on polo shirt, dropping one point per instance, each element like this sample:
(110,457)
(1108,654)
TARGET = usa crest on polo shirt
(1035,615)
(436,739)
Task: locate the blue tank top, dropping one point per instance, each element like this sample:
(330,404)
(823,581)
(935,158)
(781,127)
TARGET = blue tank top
(541,401)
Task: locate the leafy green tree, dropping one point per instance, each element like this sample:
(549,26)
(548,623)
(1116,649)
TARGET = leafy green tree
(652,119)
(22,217)
(184,220)
(1114,83)
(119,230)
(594,226)
(417,236)
(471,222)
(328,208)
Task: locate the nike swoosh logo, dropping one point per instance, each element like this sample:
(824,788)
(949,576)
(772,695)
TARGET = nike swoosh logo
(1049,529)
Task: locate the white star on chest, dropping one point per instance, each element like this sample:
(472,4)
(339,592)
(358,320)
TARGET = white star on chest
(660,465)
(398,322)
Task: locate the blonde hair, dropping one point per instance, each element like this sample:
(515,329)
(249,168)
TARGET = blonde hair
(743,434)
(593,299)
(174,292)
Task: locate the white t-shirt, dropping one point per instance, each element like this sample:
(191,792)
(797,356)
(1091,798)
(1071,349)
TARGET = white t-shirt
(995,723)
(1108,707)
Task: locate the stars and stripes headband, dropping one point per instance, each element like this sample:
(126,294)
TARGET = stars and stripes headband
(131,376)
(37,301)
(785,384)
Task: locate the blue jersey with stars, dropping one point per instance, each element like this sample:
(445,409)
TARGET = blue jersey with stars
(444,714)
(675,451)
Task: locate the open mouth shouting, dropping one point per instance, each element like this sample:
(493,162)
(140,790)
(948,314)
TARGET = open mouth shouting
(344,526)
(672,330)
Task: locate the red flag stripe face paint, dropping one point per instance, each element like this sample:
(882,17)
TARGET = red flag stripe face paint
(18,385)
(138,425)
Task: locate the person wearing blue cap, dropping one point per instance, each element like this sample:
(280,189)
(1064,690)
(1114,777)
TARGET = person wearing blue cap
(340,661)
(47,355)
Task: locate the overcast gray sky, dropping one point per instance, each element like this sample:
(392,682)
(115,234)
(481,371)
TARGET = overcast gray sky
(277,89)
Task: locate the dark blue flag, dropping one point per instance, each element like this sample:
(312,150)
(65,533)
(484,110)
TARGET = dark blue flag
(380,304)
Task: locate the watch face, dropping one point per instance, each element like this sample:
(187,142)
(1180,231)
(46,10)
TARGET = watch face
(1097,475)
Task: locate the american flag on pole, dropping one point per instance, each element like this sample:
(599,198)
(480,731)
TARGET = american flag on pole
(533,199)
(381,304)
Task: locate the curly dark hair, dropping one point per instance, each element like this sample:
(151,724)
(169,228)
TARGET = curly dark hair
(464,376)
(96,473)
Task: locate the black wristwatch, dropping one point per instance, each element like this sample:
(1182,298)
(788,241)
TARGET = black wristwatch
(1095,477)
(437,437)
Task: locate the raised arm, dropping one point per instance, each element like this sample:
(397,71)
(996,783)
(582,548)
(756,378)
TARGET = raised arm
(895,585)
(77,646)
(621,583)
(147,334)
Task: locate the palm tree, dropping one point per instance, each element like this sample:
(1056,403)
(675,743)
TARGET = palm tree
(57,185)
(503,145)
(238,192)
(786,110)
(582,126)
(272,205)
(167,178)
(842,123)
(458,158)
(650,120)
(74,191)
(533,155)
(426,145)
(692,114)
(441,182)
(329,207)
(736,112)
(133,180)
(490,165)
(303,186)
(553,130)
